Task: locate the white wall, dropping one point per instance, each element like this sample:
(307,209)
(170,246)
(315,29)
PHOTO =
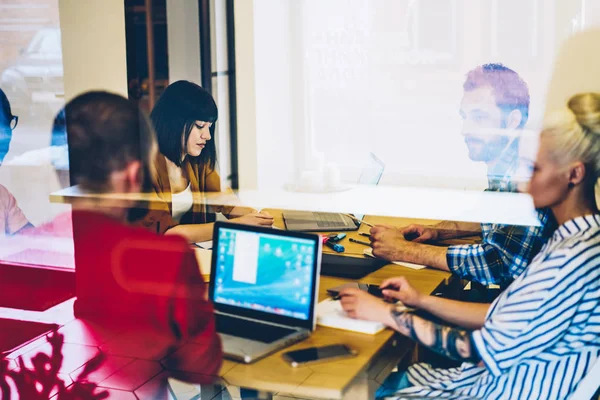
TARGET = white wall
(93,40)
(345,77)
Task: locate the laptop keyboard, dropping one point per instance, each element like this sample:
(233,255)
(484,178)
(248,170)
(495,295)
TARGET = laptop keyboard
(249,329)
(329,220)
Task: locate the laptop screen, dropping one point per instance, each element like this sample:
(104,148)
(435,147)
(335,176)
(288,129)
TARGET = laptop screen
(264,272)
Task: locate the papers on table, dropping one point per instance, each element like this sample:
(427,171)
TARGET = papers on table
(205,245)
(331,314)
(369,252)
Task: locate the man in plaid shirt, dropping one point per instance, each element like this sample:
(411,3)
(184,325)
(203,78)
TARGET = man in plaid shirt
(494,109)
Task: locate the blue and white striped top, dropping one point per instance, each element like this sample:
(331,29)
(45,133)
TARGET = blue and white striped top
(541,335)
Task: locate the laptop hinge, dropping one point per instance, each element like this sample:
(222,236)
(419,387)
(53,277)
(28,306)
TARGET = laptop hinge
(262,321)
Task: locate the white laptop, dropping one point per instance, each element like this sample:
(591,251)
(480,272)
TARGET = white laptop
(310,221)
(264,286)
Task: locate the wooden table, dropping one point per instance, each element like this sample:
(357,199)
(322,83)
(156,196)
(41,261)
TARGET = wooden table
(353,378)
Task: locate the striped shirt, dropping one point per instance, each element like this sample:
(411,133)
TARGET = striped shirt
(541,335)
(504,252)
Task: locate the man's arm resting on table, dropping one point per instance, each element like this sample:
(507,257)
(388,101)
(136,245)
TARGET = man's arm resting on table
(425,254)
(453,230)
(454,343)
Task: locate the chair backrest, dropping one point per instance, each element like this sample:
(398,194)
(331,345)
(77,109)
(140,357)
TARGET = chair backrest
(589,384)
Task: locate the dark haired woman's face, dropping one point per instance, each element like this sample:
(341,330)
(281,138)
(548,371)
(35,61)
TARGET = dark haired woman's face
(199,135)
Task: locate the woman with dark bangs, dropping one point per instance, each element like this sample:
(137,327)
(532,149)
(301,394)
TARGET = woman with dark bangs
(184,119)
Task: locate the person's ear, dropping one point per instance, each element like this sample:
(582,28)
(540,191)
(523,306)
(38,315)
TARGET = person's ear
(133,176)
(577,173)
(513,120)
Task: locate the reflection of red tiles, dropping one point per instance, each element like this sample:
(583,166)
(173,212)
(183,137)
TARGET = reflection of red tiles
(155,388)
(133,375)
(110,365)
(114,394)
(53,394)
(87,333)
(142,344)
(74,355)
(66,379)
(189,358)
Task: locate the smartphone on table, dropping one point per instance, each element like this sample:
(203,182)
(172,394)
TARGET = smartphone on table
(313,355)
(367,287)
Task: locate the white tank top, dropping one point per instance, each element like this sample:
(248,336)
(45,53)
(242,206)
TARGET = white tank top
(182,202)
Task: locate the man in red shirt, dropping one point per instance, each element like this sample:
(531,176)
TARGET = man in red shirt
(128,278)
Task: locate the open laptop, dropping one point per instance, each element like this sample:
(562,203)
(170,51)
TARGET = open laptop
(310,221)
(264,286)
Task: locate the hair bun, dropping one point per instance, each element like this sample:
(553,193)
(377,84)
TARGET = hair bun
(586,108)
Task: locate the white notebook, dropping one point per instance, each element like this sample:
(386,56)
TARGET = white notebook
(331,314)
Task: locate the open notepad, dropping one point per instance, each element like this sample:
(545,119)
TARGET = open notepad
(369,252)
(331,314)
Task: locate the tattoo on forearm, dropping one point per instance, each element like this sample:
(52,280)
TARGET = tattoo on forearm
(451,342)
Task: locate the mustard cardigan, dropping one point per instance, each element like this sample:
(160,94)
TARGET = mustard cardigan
(202,180)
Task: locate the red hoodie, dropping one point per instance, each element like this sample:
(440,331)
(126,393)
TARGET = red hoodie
(144,282)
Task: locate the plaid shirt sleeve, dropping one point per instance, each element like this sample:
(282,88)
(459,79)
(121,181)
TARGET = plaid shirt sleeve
(503,254)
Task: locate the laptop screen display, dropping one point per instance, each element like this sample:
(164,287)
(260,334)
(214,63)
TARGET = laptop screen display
(264,272)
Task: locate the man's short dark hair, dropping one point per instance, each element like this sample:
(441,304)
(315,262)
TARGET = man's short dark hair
(509,89)
(175,113)
(105,132)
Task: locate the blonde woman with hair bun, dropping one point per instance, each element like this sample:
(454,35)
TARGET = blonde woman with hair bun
(541,336)
(571,143)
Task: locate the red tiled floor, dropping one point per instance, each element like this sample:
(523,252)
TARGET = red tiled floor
(159,386)
(110,366)
(87,333)
(189,358)
(139,344)
(66,379)
(155,388)
(133,375)
(114,394)
(15,395)
(74,355)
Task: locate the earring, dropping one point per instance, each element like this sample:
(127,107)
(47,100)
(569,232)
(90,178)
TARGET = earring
(571,185)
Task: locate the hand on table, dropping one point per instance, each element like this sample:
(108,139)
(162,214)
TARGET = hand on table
(388,243)
(359,304)
(255,218)
(419,233)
